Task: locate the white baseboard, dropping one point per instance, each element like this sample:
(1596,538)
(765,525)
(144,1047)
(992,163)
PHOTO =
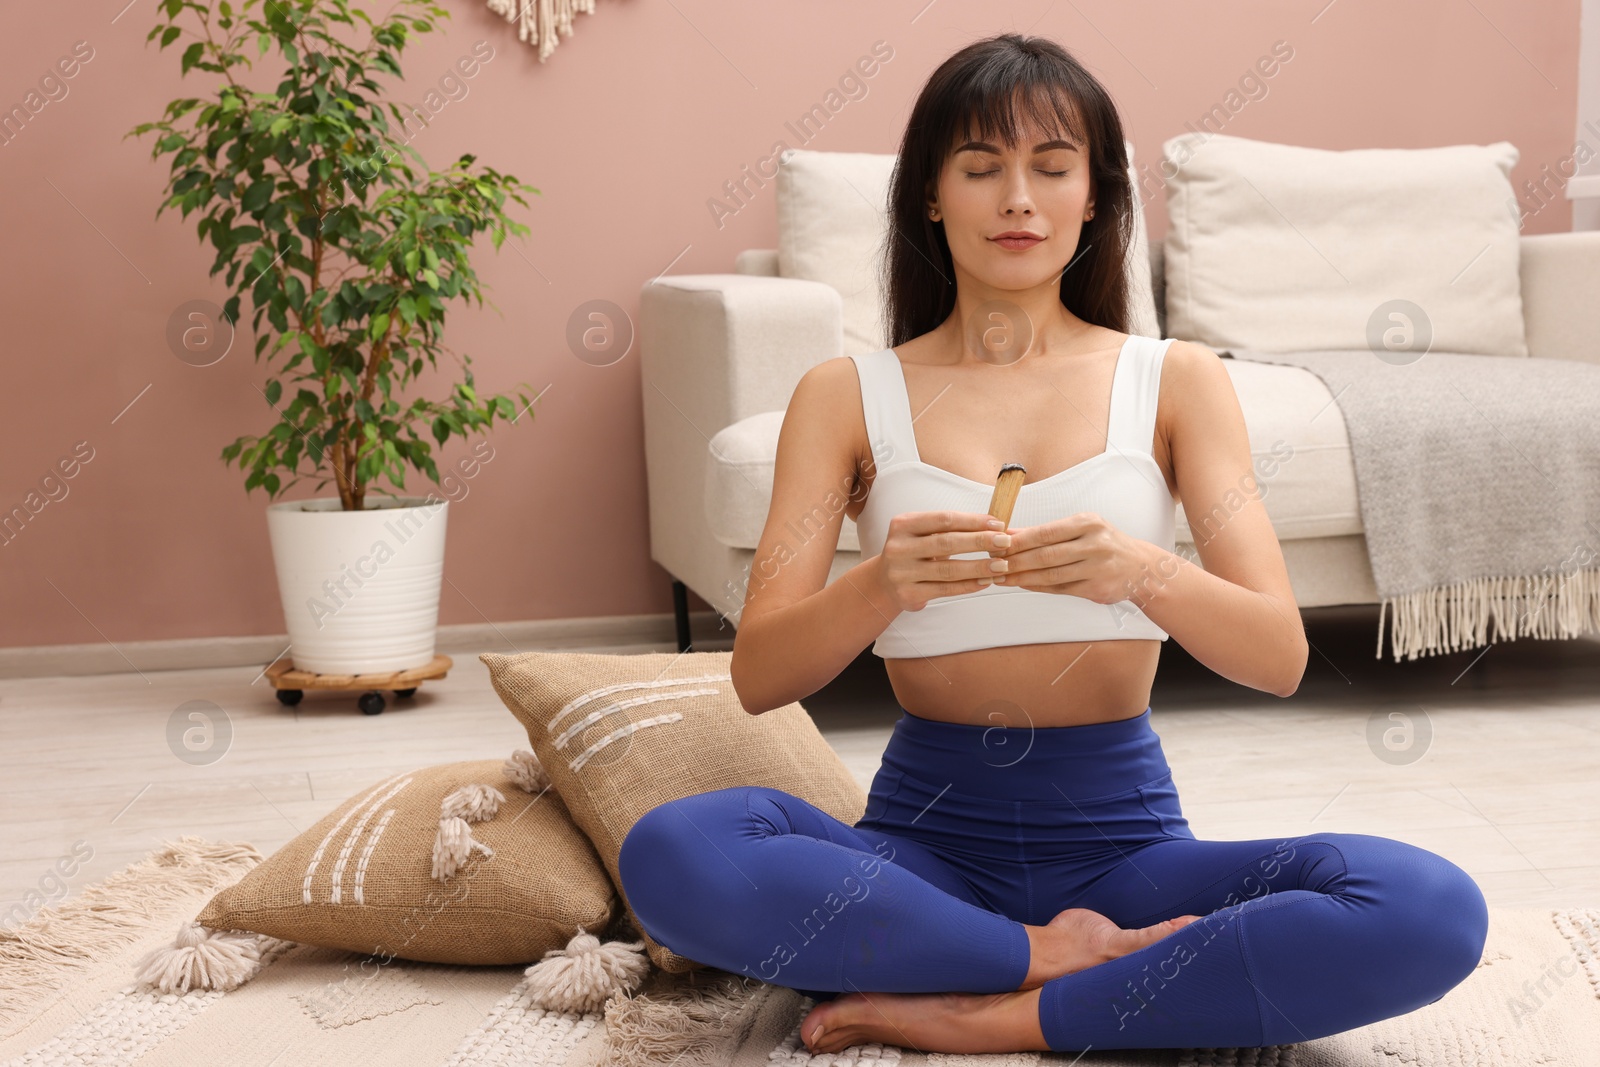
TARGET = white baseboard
(610,633)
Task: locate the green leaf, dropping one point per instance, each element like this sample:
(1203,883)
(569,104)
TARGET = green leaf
(256,197)
(274,390)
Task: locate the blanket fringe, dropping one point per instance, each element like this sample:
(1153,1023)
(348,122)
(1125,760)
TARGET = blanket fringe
(1447,618)
(38,957)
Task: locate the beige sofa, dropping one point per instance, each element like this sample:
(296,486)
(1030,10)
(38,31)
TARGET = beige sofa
(721,354)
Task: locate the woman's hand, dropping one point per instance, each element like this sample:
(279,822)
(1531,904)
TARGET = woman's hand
(1081,555)
(915,563)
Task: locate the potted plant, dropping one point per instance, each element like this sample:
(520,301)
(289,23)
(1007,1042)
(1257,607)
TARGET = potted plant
(349,255)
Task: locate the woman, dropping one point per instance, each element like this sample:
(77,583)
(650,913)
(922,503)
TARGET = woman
(1024,877)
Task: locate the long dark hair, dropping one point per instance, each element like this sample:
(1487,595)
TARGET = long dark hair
(987,81)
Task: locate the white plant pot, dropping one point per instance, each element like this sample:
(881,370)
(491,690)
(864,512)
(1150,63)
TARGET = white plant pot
(360,589)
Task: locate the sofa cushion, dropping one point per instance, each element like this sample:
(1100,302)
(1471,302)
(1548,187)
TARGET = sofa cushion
(1283,248)
(1300,451)
(1297,438)
(832,219)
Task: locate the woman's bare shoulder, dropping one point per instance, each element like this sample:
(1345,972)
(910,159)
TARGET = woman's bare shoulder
(826,409)
(1189,366)
(829,386)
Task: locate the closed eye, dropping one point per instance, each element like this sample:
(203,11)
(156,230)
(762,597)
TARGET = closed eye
(986,173)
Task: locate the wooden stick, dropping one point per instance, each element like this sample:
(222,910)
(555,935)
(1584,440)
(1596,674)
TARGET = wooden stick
(1006,488)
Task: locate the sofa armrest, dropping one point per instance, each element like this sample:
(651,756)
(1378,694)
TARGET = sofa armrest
(1560,308)
(716,349)
(723,347)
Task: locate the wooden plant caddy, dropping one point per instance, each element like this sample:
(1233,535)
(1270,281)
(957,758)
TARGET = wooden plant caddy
(291,684)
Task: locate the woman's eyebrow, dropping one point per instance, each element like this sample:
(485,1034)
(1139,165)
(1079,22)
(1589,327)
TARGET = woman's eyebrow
(1046,146)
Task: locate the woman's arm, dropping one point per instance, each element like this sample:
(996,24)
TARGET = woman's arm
(1238,614)
(797,631)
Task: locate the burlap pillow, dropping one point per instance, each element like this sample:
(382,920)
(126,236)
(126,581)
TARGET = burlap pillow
(620,734)
(362,878)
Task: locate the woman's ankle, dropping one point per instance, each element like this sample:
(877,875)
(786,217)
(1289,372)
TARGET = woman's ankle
(1041,964)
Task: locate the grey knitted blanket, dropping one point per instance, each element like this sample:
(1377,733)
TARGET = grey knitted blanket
(1479,484)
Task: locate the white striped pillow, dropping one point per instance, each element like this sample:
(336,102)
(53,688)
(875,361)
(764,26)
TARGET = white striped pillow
(620,734)
(364,877)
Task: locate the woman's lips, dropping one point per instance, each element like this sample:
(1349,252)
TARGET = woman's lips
(1017,242)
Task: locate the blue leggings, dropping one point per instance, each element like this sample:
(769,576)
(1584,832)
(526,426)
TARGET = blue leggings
(972,831)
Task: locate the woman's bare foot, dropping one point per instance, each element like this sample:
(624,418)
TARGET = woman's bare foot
(927,1022)
(1078,938)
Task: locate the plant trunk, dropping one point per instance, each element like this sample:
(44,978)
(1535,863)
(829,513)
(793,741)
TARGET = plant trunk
(352,497)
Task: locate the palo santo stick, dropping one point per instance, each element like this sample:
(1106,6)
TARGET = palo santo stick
(1006,488)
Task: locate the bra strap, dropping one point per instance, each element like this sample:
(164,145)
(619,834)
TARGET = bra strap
(885,406)
(1137,390)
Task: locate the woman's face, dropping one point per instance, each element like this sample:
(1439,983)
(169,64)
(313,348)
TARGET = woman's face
(1040,186)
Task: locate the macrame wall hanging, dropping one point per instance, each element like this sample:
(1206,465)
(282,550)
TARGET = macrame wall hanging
(542,20)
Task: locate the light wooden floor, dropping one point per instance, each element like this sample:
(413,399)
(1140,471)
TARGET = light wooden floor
(1508,785)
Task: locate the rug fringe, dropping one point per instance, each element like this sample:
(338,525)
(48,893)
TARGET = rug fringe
(37,957)
(681,1019)
(1447,618)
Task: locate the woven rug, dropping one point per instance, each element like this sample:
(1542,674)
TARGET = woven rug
(66,998)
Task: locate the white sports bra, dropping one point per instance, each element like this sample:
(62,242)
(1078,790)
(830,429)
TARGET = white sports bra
(1123,484)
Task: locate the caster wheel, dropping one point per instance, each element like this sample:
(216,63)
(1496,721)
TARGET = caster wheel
(289,697)
(401,694)
(371,703)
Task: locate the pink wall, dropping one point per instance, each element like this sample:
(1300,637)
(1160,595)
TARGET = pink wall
(630,130)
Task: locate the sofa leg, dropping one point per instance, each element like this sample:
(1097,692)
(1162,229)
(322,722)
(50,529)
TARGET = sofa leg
(680,610)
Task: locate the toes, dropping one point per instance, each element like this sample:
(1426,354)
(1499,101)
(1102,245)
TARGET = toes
(1151,934)
(1133,939)
(1167,926)
(816,1033)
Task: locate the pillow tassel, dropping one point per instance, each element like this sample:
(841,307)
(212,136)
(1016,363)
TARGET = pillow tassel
(201,958)
(583,976)
(525,769)
(473,802)
(452,845)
